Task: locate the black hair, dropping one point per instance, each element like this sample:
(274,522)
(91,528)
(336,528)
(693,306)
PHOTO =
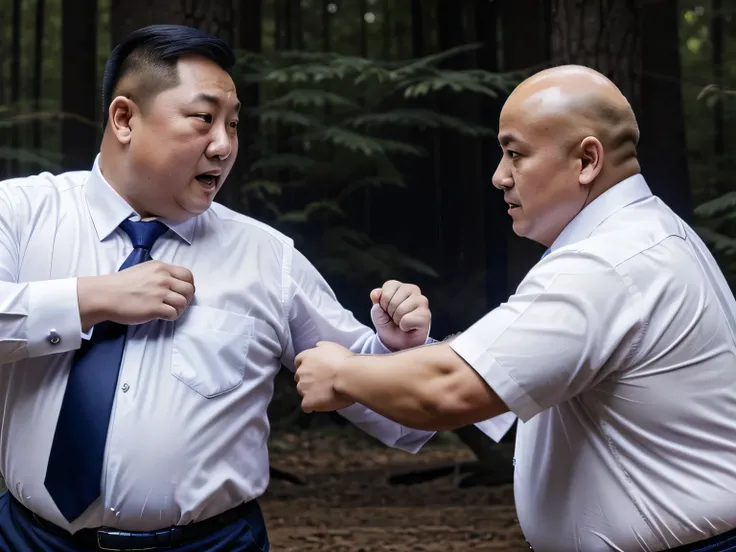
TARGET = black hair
(153,52)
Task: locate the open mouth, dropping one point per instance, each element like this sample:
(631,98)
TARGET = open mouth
(514,206)
(208,180)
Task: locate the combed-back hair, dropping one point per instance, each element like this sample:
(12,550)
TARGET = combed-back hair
(151,54)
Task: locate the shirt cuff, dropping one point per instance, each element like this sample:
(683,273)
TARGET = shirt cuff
(54,324)
(497,427)
(412,440)
(496,376)
(382,349)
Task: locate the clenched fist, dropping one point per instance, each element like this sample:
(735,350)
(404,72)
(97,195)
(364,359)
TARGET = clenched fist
(147,291)
(401,315)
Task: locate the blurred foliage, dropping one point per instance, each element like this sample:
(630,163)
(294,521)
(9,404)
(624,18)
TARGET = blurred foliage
(331,129)
(13,119)
(710,173)
(716,218)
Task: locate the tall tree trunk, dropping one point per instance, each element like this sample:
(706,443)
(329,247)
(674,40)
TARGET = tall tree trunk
(326,37)
(3,98)
(298,25)
(525,50)
(387,29)
(662,147)
(13,166)
(601,34)
(636,45)
(460,172)
(250,40)
(719,111)
(38,68)
(496,223)
(288,25)
(79,83)
(212,16)
(417,29)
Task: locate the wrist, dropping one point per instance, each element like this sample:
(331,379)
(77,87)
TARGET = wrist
(93,301)
(344,374)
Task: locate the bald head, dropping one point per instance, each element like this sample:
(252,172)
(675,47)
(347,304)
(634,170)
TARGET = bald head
(573,102)
(568,135)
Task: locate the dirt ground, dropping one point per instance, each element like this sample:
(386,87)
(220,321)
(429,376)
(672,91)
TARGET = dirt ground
(347,504)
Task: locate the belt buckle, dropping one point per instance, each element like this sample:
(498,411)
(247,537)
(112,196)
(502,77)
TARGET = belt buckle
(101,533)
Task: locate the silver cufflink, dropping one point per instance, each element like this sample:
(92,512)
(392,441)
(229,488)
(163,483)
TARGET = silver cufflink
(54,338)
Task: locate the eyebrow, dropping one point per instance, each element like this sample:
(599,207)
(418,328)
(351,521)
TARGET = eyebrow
(506,139)
(213,100)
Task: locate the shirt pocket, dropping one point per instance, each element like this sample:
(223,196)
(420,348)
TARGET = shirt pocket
(210,349)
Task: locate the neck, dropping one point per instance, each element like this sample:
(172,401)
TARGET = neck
(610,176)
(113,171)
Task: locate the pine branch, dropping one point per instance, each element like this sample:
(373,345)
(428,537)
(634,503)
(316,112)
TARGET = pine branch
(418,118)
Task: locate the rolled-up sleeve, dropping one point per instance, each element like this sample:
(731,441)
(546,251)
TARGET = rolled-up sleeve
(573,321)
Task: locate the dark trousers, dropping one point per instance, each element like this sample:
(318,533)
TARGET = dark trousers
(20,532)
(725,542)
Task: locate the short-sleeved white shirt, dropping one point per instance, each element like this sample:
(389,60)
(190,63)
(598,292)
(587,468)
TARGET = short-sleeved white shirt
(618,354)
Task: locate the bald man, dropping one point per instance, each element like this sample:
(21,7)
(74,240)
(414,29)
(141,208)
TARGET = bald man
(617,352)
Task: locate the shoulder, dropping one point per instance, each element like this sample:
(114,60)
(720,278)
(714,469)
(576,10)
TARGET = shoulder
(631,236)
(39,189)
(250,227)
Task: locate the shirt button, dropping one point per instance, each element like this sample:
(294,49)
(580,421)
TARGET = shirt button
(54,338)
(126,387)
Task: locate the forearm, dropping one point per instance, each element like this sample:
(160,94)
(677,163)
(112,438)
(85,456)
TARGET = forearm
(428,388)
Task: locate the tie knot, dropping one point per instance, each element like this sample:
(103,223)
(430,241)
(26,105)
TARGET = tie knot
(143,234)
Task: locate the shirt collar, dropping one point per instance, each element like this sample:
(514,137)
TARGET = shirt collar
(108,209)
(626,192)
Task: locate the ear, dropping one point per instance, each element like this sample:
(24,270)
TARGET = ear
(120,116)
(591,157)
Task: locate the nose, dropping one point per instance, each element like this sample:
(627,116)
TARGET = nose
(502,177)
(221,145)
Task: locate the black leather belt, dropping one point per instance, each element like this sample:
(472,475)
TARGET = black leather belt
(105,538)
(723,542)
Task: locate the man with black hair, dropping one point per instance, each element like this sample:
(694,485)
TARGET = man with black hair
(134,408)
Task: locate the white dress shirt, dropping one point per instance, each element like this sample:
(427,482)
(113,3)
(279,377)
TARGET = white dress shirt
(189,429)
(618,354)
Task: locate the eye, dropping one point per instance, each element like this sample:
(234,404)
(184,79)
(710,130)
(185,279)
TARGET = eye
(512,154)
(234,124)
(206,117)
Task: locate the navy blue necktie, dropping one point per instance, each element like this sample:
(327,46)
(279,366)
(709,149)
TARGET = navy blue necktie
(74,470)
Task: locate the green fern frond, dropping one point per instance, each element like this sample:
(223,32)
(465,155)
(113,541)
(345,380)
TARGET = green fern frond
(310,98)
(356,248)
(323,206)
(284,161)
(45,159)
(434,59)
(376,73)
(418,118)
(262,188)
(285,117)
(367,145)
(718,242)
(718,206)
(457,82)
(353,186)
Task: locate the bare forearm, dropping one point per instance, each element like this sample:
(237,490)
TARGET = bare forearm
(428,388)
